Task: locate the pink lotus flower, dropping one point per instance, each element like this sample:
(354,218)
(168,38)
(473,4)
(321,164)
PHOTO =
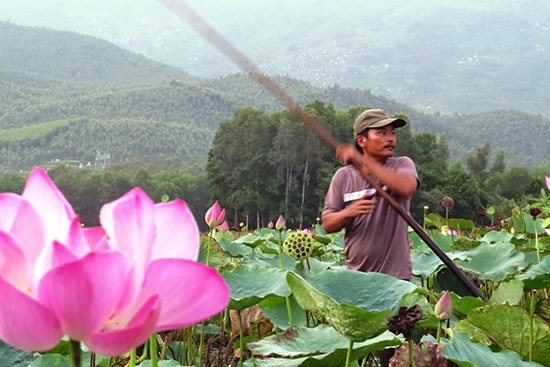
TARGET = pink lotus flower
(214,215)
(270,224)
(444,307)
(445,230)
(108,287)
(547,178)
(225,226)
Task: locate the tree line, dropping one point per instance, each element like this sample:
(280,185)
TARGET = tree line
(262,165)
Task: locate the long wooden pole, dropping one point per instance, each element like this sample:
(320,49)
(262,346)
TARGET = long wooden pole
(190,17)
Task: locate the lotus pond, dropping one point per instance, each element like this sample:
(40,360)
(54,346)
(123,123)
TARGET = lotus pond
(293,303)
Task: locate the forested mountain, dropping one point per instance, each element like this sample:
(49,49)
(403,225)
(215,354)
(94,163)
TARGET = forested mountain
(463,56)
(33,55)
(153,110)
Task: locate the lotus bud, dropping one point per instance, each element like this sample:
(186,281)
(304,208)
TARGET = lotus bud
(270,224)
(214,215)
(444,307)
(280,224)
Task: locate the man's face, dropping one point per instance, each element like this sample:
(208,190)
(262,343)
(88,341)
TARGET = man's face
(380,142)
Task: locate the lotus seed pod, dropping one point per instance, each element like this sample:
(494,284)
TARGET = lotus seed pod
(448,202)
(299,245)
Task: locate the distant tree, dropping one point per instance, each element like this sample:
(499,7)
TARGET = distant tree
(516,183)
(239,170)
(12,183)
(499,164)
(478,162)
(190,185)
(430,154)
(463,187)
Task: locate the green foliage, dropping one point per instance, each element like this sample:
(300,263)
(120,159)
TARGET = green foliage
(319,346)
(72,97)
(466,353)
(33,132)
(82,59)
(88,189)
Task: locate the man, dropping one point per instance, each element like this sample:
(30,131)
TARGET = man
(376,238)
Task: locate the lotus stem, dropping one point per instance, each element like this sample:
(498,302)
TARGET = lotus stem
(241,338)
(210,236)
(281,265)
(348,355)
(132,358)
(153,349)
(531,331)
(288,310)
(74,353)
(201,343)
(537,244)
(411,357)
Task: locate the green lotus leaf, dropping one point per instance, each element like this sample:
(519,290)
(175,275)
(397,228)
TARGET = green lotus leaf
(275,308)
(314,347)
(508,293)
(371,291)
(443,241)
(165,363)
(465,353)
(425,264)
(525,223)
(541,350)
(434,220)
(462,306)
(493,261)
(250,285)
(537,276)
(417,244)
(460,224)
(50,360)
(360,309)
(11,356)
(475,333)
(497,236)
(234,249)
(509,328)
(254,240)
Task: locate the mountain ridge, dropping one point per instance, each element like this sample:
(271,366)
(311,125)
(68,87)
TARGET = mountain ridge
(453,57)
(60,105)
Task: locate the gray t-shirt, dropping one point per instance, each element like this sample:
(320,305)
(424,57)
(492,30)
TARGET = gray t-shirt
(375,242)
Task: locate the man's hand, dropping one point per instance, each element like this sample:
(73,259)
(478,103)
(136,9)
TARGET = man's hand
(360,207)
(347,154)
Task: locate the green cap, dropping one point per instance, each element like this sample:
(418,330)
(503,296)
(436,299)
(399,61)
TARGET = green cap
(374,118)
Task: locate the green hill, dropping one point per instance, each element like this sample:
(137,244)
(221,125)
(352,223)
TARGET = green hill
(153,110)
(39,56)
(463,56)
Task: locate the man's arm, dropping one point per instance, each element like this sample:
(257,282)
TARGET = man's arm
(402,183)
(335,221)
